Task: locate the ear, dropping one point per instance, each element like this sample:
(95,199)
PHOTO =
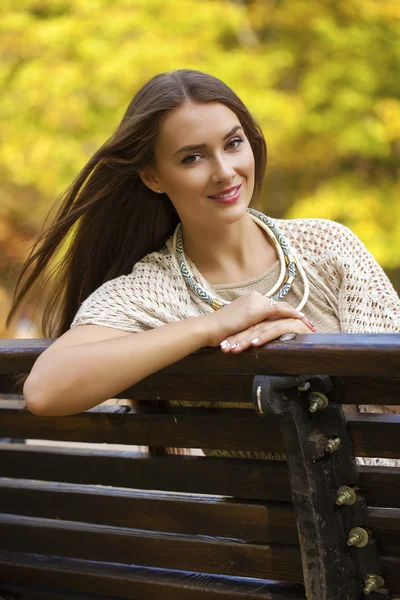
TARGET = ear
(150,179)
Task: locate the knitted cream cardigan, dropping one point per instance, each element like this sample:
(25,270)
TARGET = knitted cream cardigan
(336,262)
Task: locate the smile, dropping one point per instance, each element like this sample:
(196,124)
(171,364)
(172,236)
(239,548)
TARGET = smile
(228,194)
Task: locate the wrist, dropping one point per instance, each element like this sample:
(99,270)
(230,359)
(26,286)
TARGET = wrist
(202,330)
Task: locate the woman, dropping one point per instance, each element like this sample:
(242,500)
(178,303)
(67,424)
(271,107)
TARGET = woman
(187,151)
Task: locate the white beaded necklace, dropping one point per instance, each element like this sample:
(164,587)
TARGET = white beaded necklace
(289,264)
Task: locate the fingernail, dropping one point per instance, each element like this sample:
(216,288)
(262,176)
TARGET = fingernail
(313,329)
(234,346)
(224,345)
(301,313)
(255,341)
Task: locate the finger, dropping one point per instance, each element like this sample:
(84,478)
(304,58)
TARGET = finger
(239,338)
(264,333)
(245,337)
(287,326)
(283,309)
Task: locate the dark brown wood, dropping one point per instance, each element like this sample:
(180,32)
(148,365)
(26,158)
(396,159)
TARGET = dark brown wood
(391,573)
(380,486)
(331,354)
(241,478)
(8,385)
(198,514)
(375,435)
(246,432)
(19,592)
(236,387)
(385,526)
(18,356)
(330,572)
(249,534)
(372,435)
(367,390)
(200,554)
(137,583)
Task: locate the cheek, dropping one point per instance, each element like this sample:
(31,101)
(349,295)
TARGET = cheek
(189,179)
(249,163)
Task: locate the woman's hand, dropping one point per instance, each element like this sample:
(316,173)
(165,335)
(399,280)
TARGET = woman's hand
(253,316)
(262,333)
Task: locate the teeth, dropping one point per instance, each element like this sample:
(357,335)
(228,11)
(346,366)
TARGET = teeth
(226,195)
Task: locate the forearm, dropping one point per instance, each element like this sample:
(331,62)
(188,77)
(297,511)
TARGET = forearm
(75,378)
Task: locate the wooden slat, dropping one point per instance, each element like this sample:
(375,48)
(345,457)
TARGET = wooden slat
(391,573)
(380,486)
(237,387)
(241,478)
(332,354)
(184,431)
(161,550)
(385,526)
(198,514)
(375,435)
(41,593)
(367,390)
(372,435)
(137,583)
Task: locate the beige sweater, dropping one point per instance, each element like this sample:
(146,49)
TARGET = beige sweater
(346,283)
(349,291)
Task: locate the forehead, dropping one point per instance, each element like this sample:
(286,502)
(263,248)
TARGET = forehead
(194,123)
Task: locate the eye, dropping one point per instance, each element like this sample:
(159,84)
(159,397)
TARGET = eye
(237,140)
(190,162)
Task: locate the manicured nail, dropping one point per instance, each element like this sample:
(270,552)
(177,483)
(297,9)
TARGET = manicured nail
(313,329)
(234,346)
(301,313)
(224,345)
(255,341)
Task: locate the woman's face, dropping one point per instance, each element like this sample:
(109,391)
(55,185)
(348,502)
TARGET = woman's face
(201,152)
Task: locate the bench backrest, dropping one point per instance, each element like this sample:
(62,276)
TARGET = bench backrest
(131,525)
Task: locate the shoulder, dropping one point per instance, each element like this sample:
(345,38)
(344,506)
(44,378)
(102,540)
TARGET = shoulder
(161,262)
(318,235)
(155,266)
(150,295)
(311,227)
(155,270)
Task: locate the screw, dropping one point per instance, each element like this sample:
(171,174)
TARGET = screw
(345,495)
(317,401)
(358,537)
(372,583)
(332,445)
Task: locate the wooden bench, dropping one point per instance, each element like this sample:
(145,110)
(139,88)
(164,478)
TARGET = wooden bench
(84,523)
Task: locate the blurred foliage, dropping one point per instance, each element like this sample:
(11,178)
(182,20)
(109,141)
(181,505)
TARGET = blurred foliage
(320,76)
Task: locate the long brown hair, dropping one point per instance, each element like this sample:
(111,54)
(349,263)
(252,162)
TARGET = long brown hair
(107,219)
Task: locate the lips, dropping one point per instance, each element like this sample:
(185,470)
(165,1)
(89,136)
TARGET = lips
(224,192)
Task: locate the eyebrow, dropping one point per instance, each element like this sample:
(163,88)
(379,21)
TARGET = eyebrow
(199,146)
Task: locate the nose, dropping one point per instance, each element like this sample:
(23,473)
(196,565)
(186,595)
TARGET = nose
(223,170)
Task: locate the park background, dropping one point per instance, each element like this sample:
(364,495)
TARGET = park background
(320,76)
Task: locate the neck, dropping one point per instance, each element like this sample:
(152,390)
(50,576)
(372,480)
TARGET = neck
(233,253)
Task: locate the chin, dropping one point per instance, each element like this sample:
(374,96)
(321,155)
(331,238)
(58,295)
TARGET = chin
(234,213)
